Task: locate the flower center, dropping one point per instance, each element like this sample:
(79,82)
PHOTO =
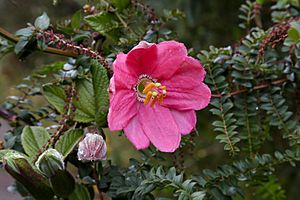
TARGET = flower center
(148,90)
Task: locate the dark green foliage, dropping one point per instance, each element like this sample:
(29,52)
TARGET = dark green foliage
(63,184)
(21,170)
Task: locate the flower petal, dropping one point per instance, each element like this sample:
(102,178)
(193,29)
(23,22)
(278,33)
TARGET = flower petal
(123,107)
(170,55)
(185,120)
(142,59)
(193,99)
(124,77)
(186,90)
(135,134)
(188,76)
(160,127)
(143,45)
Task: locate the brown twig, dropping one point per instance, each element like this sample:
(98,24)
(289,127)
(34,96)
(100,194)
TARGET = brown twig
(258,87)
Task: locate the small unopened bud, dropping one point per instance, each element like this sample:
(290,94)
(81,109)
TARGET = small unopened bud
(50,162)
(92,147)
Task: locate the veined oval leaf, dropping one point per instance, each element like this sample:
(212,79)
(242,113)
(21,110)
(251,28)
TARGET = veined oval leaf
(68,141)
(33,138)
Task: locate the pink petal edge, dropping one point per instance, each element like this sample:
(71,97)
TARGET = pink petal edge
(170,55)
(194,99)
(185,120)
(142,60)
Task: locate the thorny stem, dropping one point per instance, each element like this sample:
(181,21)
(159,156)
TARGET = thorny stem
(9,36)
(78,50)
(71,50)
(258,87)
(63,123)
(66,117)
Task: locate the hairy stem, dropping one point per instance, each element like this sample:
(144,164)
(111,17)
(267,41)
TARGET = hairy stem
(9,36)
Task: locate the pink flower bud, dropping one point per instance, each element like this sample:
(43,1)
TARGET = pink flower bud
(92,147)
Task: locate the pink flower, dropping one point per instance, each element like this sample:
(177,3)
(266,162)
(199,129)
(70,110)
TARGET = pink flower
(91,148)
(155,91)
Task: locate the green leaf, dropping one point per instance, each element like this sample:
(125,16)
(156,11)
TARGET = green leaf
(68,141)
(85,106)
(33,138)
(21,45)
(55,95)
(21,170)
(121,4)
(92,95)
(103,22)
(81,36)
(42,22)
(25,32)
(76,20)
(80,193)
(63,183)
(293,34)
(100,85)
(296,25)
(6,152)
(198,195)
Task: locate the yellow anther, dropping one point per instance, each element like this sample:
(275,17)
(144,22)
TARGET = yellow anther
(148,98)
(153,101)
(148,88)
(157,84)
(154,94)
(160,99)
(164,92)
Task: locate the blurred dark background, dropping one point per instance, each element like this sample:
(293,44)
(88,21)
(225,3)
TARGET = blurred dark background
(206,22)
